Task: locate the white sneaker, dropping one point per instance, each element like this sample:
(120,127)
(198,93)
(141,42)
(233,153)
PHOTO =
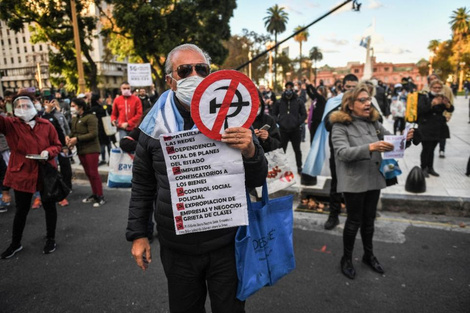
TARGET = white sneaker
(99,202)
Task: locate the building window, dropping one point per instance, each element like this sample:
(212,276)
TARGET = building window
(9,41)
(25,49)
(26,58)
(5,61)
(1,41)
(8,32)
(12,60)
(375,69)
(386,69)
(386,79)
(356,71)
(114,79)
(24,39)
(19,59)
(32,48)
(40,47)
(16,40)
(18,50)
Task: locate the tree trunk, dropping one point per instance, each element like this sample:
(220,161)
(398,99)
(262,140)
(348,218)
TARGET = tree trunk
(275,61)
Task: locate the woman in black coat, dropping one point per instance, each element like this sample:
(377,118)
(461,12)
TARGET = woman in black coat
(105,143)
(432,124)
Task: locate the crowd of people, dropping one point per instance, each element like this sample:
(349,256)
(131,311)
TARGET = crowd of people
(347,115)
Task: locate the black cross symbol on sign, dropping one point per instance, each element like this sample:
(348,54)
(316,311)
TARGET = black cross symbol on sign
(239,104)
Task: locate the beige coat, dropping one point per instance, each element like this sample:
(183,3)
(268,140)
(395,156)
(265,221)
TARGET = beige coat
(357,169)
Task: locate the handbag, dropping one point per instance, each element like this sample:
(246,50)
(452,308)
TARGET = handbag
(415,182)
(120,169)
(109,128)
(280,175)
(264,249)
(54,188)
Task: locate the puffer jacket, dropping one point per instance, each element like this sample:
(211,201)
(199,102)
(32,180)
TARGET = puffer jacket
(357,169)
(85,128)
(150,188)
(290,114)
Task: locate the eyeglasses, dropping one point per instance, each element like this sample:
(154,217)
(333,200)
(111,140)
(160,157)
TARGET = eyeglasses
(364,100)
(184,70)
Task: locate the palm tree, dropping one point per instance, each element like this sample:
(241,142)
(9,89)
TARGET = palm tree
(433,45)
(302,36)
(275,23)
(460,25)
(315,55)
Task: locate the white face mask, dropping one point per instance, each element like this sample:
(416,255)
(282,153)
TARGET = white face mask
(185,88)
(126,92)
(26,114)
(73,111)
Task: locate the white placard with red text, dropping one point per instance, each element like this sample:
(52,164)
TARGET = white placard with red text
(207,182)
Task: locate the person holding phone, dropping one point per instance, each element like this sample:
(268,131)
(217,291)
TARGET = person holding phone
(266,128)
(27,134)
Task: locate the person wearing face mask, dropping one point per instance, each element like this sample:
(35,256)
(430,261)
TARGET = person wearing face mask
(290,114)
(127,110)
(432,124)
(26,133)
(270,139)
(84,135)
(195,264)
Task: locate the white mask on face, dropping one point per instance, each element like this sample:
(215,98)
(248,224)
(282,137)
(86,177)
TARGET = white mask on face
(26,114)
(126,92)
(73,111)
(185,88)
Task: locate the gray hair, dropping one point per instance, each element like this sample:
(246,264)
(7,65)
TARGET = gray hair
(184,47)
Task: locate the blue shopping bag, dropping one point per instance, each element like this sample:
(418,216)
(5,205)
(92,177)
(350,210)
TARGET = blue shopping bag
(264,249)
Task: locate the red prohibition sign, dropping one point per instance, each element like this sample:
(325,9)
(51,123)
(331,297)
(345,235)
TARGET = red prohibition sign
(210,117)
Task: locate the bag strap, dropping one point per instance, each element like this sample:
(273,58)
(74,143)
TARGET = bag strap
(377,131)
(264,197)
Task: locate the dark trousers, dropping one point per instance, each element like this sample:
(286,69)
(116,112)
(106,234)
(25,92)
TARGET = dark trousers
(65,170)
(90,165)
(361,208)
(23,204)
(335,197)
(103,148)
(427,154)
(442,145)
(294,137)
(191,276)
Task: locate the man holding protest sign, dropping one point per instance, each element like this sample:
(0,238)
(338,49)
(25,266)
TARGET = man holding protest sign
(194,263)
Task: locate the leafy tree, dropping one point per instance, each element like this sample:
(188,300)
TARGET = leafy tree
(441,61)
(239,48)
(275,23)
(300,37)
(167,24)
(460,25)
(316,56)
(51,22)
(423,67)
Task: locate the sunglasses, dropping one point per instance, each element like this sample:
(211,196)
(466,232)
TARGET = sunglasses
(364,100)
(184,70)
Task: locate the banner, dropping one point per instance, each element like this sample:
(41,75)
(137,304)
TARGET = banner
(139,74)
(207,182)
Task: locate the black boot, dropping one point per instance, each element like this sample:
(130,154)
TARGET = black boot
(347,268)
(432,172)
(373,263)
(425,172)
(332,221)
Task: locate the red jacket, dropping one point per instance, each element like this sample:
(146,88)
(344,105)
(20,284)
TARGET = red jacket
(127,110)
(22,173)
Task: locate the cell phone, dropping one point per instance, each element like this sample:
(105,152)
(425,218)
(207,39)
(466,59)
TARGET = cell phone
(265,127)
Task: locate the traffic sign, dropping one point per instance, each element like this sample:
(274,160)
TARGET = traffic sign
(224,99)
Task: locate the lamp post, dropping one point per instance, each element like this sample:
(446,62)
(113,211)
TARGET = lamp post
(78,49)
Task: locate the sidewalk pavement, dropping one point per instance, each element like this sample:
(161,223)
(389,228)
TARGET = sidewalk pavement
(448,194)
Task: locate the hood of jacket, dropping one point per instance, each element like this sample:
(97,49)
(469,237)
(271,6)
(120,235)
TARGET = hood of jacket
(345,118)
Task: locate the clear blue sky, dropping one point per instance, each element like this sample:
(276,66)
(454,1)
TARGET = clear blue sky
(403,28)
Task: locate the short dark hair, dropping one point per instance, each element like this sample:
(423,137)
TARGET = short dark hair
(125,83)
(350,78)
(80,103)
(289,84)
